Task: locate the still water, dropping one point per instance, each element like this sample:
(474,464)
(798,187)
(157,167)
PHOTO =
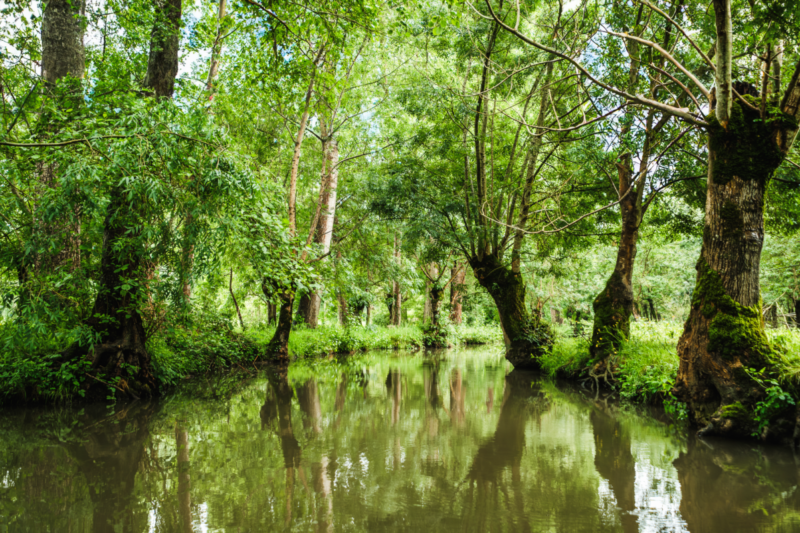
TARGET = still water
(453,441)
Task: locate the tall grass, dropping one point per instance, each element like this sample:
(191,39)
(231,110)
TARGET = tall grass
(304,342)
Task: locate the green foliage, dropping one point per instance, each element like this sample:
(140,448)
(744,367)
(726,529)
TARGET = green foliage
(776,400)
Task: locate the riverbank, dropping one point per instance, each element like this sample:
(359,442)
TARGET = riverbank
(645,367)
(181,353)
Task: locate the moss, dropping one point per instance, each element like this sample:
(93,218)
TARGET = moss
(735,330)
(746,147)
(735,411)
(612,324)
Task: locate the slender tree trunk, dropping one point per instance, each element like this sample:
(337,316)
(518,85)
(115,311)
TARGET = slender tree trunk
(426,309)
(459,274)
(724,341)
(272,314)
(235,303)
(526,338)
(397,303)
(343,311)
(298,146)
(613,307)
(309,308)
(187,260)
(216,51)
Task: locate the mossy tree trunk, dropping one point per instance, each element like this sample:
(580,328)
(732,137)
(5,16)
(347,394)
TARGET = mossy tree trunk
(526,338)
(724,341)
(614,306)
(278,347)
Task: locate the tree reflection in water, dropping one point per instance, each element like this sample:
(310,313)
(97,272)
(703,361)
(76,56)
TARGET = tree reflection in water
(614,461)
(522,399)
(732,486)
(387,443)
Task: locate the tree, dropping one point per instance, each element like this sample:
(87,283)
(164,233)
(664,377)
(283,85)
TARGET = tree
(749,135)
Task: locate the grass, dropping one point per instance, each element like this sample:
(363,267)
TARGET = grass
(646,366)
(336,340)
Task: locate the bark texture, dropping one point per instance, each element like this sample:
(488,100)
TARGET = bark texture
(278,347)
(459,275)
(723,341)
(63,57)
(165,38)
(62,40)
(614,305)
(527,338)
(309,306)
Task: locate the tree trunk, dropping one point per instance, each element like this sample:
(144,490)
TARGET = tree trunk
(162,63)
(62,40)
(272,314)
(235,303)
(278,347)
(459,274)
(309,308)
(426,309)
(216,51)
(526,338)
(115,316)
(797,313)
(62,56)
(436,296)
(121,350)
(723,341)
(614,305)
(397,303)
(343,314)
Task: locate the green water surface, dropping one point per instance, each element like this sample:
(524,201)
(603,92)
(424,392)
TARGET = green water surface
(385,441)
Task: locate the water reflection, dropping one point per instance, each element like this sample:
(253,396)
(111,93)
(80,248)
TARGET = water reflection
(614,461)
(386,442)
(729,486)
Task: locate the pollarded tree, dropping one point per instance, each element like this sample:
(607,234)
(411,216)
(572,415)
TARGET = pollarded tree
(482,171)
(750,131)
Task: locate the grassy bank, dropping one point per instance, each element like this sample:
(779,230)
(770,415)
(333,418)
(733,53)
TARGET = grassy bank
(182,352)
(647,364)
